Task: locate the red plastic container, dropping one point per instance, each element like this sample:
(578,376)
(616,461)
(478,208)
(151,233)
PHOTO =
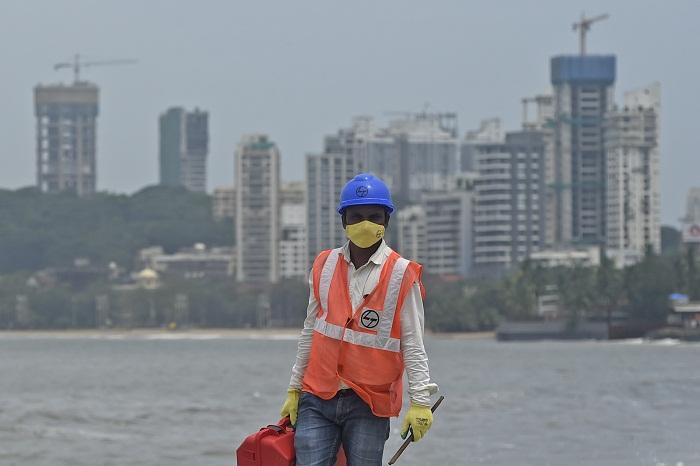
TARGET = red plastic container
(273,446)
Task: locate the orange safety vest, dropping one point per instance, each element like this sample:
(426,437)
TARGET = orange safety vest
(361,347)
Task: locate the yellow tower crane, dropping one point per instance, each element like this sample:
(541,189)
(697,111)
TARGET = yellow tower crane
(583,26)
(79,63)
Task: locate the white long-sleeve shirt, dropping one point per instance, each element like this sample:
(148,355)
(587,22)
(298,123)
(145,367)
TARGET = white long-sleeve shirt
(361,282)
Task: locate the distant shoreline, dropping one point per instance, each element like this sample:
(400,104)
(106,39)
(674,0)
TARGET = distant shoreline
(136,333)
(201,333)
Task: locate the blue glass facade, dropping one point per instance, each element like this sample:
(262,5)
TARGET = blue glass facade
(171,139)
(583,93)
(580,69)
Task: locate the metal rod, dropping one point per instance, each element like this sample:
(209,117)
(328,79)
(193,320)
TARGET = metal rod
(409,439)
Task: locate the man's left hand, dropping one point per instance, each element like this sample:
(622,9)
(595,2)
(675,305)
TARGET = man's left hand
(419,419)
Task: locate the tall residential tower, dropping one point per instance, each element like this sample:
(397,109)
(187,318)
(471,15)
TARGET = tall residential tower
(414,154)
(583,94)
(326,174)
(437,232)
(257,209)
(509,213)
(632,155)
(66,137)
(292,244)
(184,145)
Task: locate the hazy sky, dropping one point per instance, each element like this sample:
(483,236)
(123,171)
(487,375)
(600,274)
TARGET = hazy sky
(300,69)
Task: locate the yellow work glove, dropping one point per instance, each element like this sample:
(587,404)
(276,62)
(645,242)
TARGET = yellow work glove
(291,405)
(419,419)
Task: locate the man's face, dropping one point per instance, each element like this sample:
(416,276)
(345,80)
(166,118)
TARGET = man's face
(358,213)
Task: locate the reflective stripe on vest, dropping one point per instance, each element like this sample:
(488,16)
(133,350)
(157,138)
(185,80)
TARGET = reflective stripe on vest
(326,278)
(382,339)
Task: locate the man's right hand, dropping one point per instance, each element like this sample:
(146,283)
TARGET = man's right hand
(291,405)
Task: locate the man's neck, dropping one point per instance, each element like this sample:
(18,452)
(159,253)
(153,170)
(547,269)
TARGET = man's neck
(360,256)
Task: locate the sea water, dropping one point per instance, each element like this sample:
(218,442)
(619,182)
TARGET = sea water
(186,399)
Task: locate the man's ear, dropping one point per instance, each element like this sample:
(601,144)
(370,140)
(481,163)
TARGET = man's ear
(342,219)
(386,222)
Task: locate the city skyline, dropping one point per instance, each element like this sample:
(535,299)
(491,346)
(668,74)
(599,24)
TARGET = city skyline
(299,104)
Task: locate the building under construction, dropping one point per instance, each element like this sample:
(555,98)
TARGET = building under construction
(66,137)
(582,95)
(66,130)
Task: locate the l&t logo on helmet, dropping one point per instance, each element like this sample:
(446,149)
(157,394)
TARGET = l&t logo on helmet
(361,191)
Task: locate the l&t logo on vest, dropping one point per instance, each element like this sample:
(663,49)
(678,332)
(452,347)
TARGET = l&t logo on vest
(369,319)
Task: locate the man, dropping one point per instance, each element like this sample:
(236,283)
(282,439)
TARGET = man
(364,325)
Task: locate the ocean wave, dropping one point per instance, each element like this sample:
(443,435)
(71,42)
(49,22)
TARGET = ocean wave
(151,336)
(631,341)
(653,342)
(667,342)
(72,433)
(181,336)
(272,336)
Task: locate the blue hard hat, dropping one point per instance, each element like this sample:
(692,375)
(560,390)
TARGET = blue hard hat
(365,189)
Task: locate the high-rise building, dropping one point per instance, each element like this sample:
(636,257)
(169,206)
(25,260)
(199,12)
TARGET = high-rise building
(691,221)
(292,193)
(412,242)
(449,231)
(509,219)
(184,145)
(66,136)
(428,155)
(557,214)
(326,174)
(224,203)
(632,154)
(437,232)
(293,243)
(692,206)
(413,154)
(490,130)
(257,209)
(583,94)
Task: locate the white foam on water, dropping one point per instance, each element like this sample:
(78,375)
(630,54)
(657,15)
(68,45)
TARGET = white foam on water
(181,336)
(650,342)
(66,433)
(667,342)
(631,341)
(272,336)
(107,337)
(154,336)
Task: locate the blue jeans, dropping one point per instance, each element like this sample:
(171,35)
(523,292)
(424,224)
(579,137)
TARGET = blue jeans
(324,424)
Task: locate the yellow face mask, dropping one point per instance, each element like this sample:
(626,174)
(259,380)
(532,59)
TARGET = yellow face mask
(365,233)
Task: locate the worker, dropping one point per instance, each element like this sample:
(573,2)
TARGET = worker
(364,325)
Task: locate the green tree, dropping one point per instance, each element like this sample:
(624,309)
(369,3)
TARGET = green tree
(289,301)
(609,290)
(445,305)
(670,240)
(521,291)
(648,285)
(576,287)
(39,230)
(692,283)
(52,308)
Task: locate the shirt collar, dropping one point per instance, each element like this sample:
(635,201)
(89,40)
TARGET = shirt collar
(378,258)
